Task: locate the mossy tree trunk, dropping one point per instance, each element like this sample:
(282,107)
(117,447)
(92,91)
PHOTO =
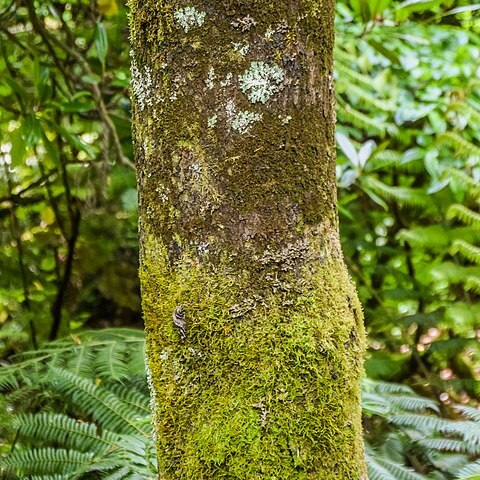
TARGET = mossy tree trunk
(234,139)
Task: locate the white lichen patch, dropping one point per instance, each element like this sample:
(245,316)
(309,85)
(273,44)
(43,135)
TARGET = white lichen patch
(227,80)
(244,120)
(244,24)
(142,84)
(189,17)
(209,81)
(196,170)
(212,121)
(230,109)
(153,397)
(203,248)
(241,48)
(269,33)
(261,81)
(285,119)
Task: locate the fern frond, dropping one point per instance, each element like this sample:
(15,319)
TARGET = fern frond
(472,187)
(381,468)
(374,126)
(49,460)
(468,430)
(110,362)
(430,237)
(464,214)
(119,474)
(452,273)
(399,472)
(137,401)
(466,250)
(54,477)
(470,471)
(82,362)
(348,72)
(386,387)
(443,444)
(66,431)
(384,159)
(79,355)
(412,403)
(104,407)
(364,97)
(472,284)
(376,471)
(402,195)
(459,143)
(428,423)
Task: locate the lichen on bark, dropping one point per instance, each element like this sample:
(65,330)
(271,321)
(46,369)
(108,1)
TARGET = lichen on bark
(234,138)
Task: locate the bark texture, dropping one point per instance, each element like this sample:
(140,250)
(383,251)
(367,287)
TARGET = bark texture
(233,114)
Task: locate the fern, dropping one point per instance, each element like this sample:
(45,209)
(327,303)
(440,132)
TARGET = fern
(470,471)
(66,431)
(53,477)
(452,273)
(384,159)
(104,406)
(443,444)
(471,187)
(50,460)
(381,468)
(466,250)
(464,214)
(424,423)
(412,403)
(374,126)
(459,143)
(402,195)
(111,436)
(364,97)
(472,284)
(348,72)
(118,444)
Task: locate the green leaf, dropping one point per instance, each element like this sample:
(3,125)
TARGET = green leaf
(32,130)
(101,43)
(17,153)
(389,54)
(409,6)
(16,87)
(41,76)
(51,149)
(377,7)
(362,8)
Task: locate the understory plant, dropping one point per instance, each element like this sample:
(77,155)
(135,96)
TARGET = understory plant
(78,408)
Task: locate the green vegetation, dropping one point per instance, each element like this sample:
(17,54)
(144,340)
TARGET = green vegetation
(408,108)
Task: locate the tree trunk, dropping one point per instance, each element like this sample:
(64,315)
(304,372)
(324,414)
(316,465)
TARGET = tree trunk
(233,118)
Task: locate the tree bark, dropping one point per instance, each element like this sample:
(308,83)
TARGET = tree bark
(233,118)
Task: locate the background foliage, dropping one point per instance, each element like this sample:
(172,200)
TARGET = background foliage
(408,108)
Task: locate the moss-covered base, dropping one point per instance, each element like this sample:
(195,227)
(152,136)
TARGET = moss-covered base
(263,387)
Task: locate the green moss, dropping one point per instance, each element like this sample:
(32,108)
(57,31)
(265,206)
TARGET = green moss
(300,362)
